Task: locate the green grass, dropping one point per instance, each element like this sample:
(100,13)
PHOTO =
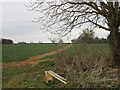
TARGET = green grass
(91,48)
(76,48)
(20,52)
(32,77)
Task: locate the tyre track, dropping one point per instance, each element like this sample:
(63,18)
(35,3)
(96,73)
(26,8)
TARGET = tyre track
(31,61)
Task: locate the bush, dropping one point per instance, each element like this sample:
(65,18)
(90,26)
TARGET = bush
(84,69)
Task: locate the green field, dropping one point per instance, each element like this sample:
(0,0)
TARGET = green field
(90,49)
(33,77)
(18,52)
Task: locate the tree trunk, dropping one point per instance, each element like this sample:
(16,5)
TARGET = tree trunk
(115,47)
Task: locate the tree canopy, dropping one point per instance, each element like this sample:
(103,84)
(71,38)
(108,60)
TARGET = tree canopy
(64,15)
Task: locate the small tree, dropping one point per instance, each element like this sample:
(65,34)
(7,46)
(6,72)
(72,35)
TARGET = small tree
(60,41)
(87,36)
(53,40)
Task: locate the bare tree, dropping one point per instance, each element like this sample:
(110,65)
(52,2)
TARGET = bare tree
(68,14)
(53,40)
(60,41)
(87,36)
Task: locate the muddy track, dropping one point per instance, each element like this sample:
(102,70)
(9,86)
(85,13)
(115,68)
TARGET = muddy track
(31,61)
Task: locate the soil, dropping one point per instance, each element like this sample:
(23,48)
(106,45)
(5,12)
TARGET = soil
(31,61)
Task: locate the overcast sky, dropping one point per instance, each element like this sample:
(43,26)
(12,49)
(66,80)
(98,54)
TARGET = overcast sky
(17,25)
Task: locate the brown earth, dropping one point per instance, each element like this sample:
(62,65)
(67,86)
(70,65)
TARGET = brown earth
(31,61)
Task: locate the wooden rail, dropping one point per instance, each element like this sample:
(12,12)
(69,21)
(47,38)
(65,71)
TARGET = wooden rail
(58,77)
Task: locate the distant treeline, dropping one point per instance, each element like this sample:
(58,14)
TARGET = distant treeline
(40,43)
(90,40)
(88,36)
(6,41)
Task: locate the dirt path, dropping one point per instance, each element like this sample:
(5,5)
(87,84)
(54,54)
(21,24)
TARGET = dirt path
(33,60)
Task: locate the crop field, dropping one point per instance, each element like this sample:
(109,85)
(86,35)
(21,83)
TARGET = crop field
(90,49)
(33,76)
(18,52)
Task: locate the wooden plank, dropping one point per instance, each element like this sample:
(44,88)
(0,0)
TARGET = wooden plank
(57,75)
(58,78)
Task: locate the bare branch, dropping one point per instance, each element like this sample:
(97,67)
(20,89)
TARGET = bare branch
(62,16)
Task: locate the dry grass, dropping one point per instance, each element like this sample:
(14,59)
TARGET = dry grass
(87,70)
